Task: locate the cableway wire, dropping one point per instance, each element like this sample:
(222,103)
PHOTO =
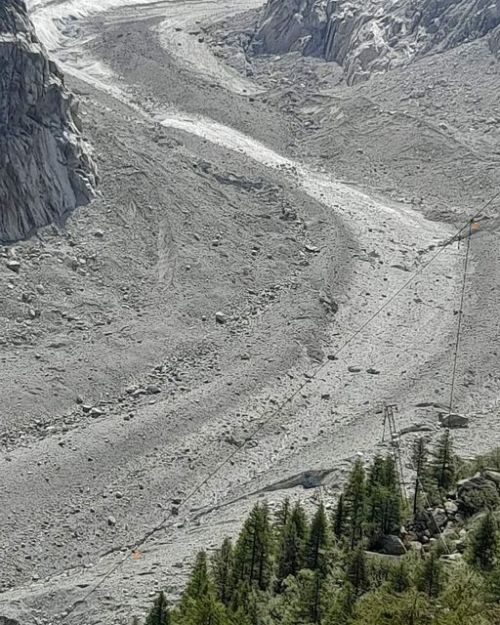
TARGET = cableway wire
(460,317)
(272,415)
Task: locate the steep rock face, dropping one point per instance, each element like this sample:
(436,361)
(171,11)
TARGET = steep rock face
(368,36)
(45,170)
(495,42)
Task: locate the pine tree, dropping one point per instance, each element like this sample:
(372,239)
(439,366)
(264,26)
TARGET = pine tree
(419,458)
(253,552)
(248,606)
(282,516)
(205,611)
(159,614)
(355,503)
(383,508)
(400,577)
(339,520)
(443,468)
(318,546)
(303,599)
(291,548)
(430,578)
(463,600)
(484,543)
(356,571)
(222,572)
(199,583)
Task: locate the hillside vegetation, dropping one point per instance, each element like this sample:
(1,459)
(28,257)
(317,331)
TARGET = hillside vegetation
(336,569)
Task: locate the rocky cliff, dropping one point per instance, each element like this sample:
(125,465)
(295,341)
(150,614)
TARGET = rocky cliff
(368,36)
(45,170)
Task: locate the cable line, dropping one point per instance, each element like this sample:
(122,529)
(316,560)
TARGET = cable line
(355,333)
(460,317)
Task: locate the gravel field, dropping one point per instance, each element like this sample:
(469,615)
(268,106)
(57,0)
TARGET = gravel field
(242,237)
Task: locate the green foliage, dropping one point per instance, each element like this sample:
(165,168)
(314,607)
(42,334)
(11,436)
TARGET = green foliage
(430,576)
(291,548)
(222,572)
(355,504)
(253,551)
(318,547)
(490,460)
(159,614)
(442,469)
(339,519)
(205,611)
(419,457)
(303,598)
(357,571)
(383,500)
(463,600)
(296,571)
(483,550)
(400,577)
(383,607)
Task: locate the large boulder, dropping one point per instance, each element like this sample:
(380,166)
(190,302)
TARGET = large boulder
(391,545)
(45,168)
(453,421)
(476,494)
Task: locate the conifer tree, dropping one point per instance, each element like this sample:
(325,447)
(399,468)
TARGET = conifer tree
(282,515)
(303,598)
(290,556)
(205,611)
(253,552)
(318,546)
(249,606)
(355,503)
(419,458)
(222,572)
(463,599)
(443,467)
(483,549)
(199,582)
(356,571)
(400,577)
(159,614)
(430,578)
(383,507)
(339,520)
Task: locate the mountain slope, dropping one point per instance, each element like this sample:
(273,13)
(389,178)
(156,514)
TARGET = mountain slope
(368,37)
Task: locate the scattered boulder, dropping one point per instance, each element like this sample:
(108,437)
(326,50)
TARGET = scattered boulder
(392,545)
(111,521)
(220,317)
(13,265)
(438,519)
(476,494)
(492,475)
(450,507)
(453,421)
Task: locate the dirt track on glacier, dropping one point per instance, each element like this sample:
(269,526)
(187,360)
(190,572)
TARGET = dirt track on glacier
(125,394)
